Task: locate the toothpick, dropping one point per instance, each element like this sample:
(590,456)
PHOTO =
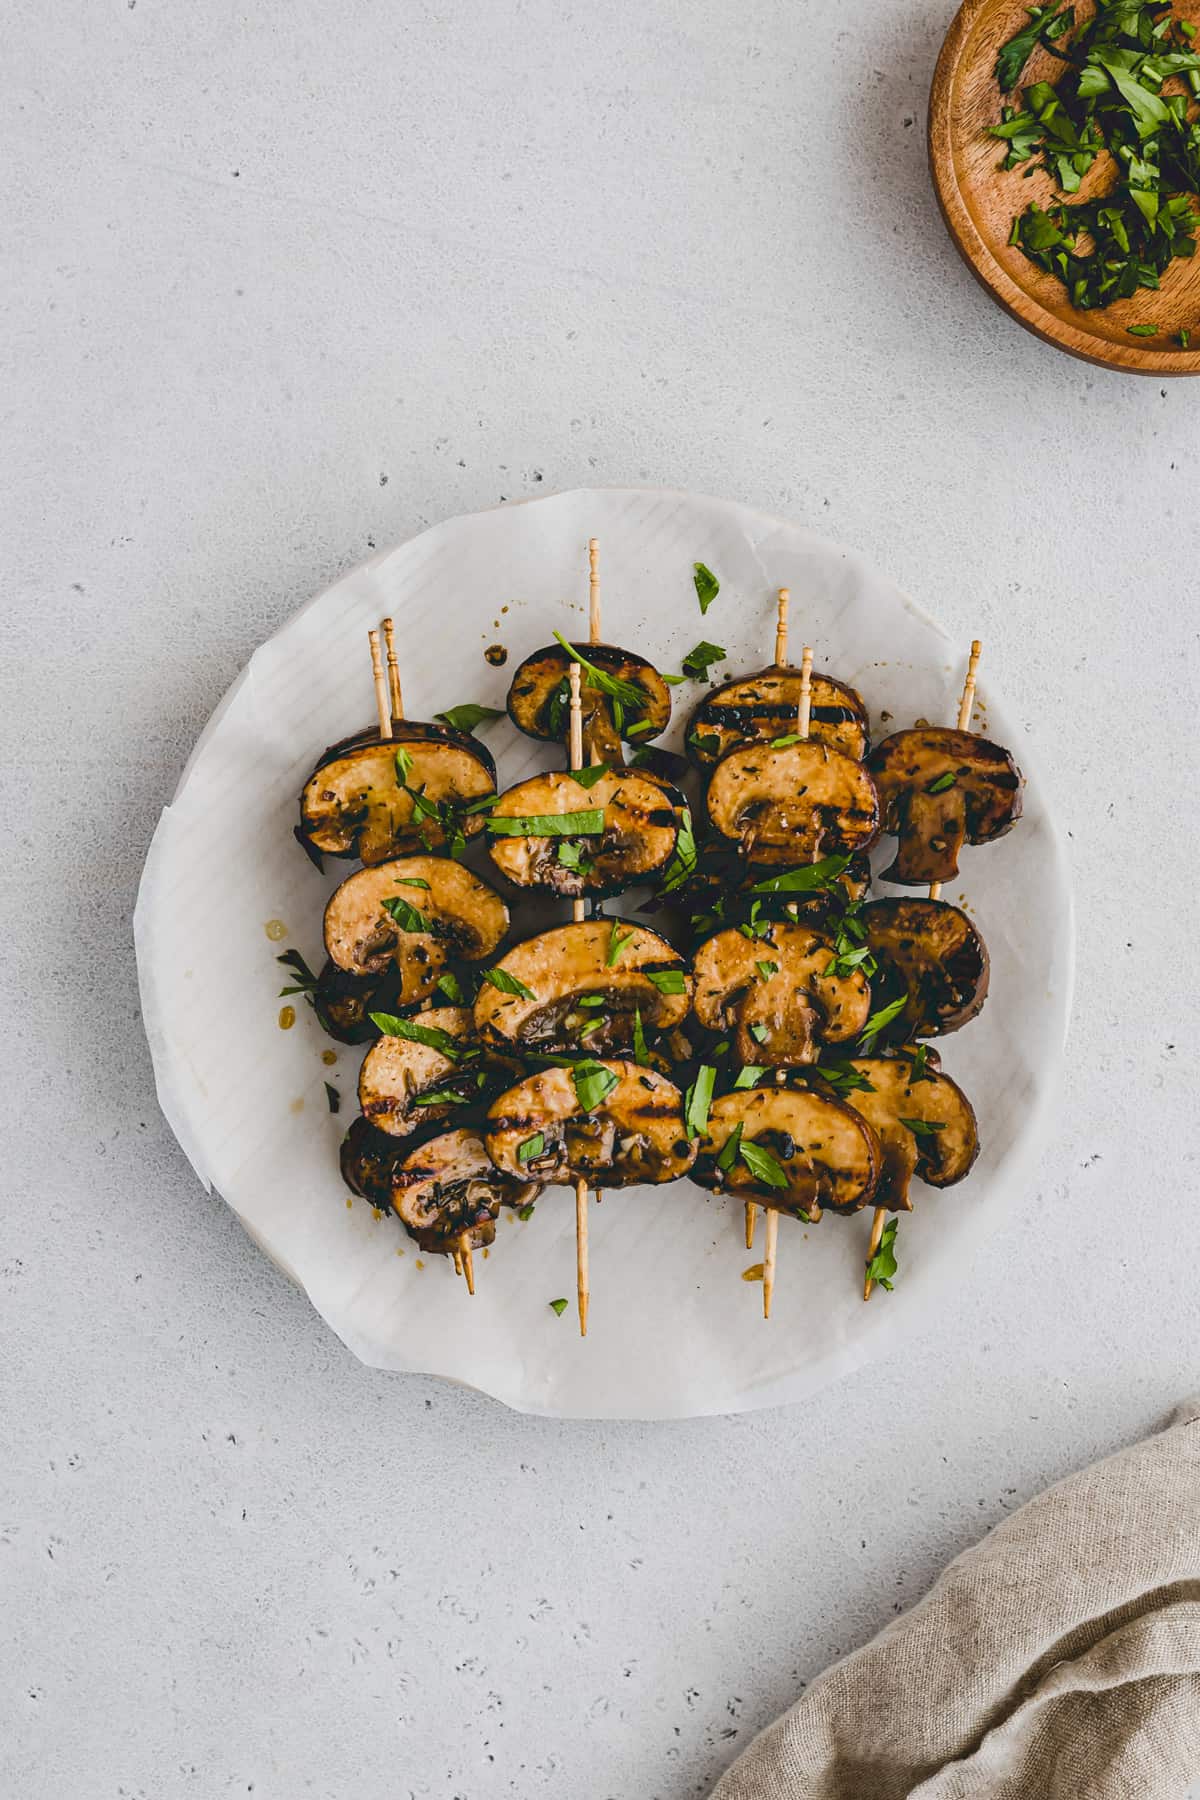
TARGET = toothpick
(966,706)
(382,706)
(804,714)
(575,758)
(389,638)
(593,590)
(781,625)
(769,1259)
(468,1264)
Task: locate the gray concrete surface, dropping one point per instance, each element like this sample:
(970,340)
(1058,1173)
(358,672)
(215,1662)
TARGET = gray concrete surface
(290,282)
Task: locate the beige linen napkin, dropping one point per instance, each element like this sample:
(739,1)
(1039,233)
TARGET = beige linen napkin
(1057,1660)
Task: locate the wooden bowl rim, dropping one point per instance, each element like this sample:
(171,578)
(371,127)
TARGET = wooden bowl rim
(1024,307)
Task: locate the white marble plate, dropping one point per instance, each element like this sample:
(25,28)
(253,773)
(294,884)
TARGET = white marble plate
(674,1329)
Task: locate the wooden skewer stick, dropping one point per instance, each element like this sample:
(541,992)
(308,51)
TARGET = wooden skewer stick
(783,601)
(382,705)
(803,724)
(575,757)
(393,668)
(593,594)
(965,708)
(468,1265)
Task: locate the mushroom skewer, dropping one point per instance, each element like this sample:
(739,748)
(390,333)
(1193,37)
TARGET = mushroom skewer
(963,723)
(578,909)
(803,722)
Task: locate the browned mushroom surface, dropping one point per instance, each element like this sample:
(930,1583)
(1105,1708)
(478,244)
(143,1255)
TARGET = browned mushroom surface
(583,987)
(343,1003)
(428,1069)
(795,804)
(778,993)
(415,914)
(627,825)
(939,789)
(765,707)
(923,1120)
(448,1193)
(376,798)
(932,953)
(613,1124)
(538,699)
(369,1161)
(789,1148)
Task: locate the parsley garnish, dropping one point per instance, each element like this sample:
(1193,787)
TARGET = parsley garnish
(559,1307)
(571,824)
(707,585)
(767,969)
(781,743)
(922,1127)
(699,661)
(524,1212)
(806,880)
(467,716)
(589,776)
(844,1078)
(404,765)
(667,981)
(698,1100)
(593,1084)
(333,1097)
(440,1097)
(451,986)
(882,1266)
(730,1149)
(407,917)
(942,783)
(507,984)
(759,1033)
(617,940)
(526,1151)
(763,1164)
(683,863)
(572,857)
(919,1069)
(640,1053)
(878,1021)
(1044,23)
(707,743)
(748,1075)
(430,1035)
(307,983)
(614,686)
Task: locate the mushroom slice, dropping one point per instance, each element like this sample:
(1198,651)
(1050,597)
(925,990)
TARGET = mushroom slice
(613,1124)
(720,891)
(773,992)
(448,1193)
(638,823)
(344,1002)
(933,952)
(369,1162)
(938,789)
(766,705)
(923,1120)
(796,804)
(578,988)
(359,800)
(806,1151)
(539,699)
(426,1069)
(415,913)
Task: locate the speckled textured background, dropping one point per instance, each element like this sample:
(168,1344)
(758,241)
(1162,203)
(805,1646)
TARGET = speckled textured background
(292,283)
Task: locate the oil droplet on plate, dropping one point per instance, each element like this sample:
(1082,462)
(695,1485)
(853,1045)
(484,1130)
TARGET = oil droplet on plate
(349,1202)
(297,1105)
(377,1212)
(753,1273)
(496,654)
(329,1057)
(275,930)
(418,1264)
(287,1017)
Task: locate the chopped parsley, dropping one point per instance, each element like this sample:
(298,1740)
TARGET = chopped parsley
(763,1164)
(730,1149)
(430,1035)
(942,783)
(404,765)
(806,880)
(306,982)
(698,1100)
(878,1022)
(667,981)
(767,969)
(593,1084)
(333,1097)
(683,863)
(748,1075)
(921,1128)
(707,585)
(571,824)
(882,1266)
(640,1053)
(508,984)
(617,940)
(526,1151)
(559,1307)
(844,1078)
(588,777)
(407,916)
(615,686)
(470,714)
(700,660)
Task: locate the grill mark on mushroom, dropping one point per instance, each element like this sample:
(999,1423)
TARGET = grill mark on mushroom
(764,706)
(829,1153)
(542,677)
(448,1193)
(981,802)
(932,952)
(793,805)
(942,1157)
(635,1135)
(354,803)
(640,830)
(782,1019)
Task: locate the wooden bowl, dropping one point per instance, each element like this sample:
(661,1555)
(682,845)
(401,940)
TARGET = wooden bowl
(980,200)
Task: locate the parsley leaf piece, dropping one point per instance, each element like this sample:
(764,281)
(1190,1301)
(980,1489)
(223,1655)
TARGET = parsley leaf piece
(882,1266)
(411,881)
(593,1084)
(698,1100)
(759,1033)
(640,1053)
(707,585)
(467,716)
(707,743)
(613,685)
(404,765)
(919,1067)
(333,1097)
(942,783)
(451,986)
(440,1097)
(730,1149)
(878,1021)
(767,969)
(1142,330)
(407,916)
(292,959)
(921,1128)
(617,940)
(571,857)
(1020,47)
(845,1079)
(589,1030)
(699,661)
(430,1035)
(525,1213)
(683,863)
(667,981)
(803,881)
(748,1075)
(559,1307)
(763,1164)
(571,824)
(508,984)
(589,776)
(781,743)
(528,1149)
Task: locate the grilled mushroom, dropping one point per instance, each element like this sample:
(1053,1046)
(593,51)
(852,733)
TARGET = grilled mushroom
(932,952)
(765,706)
(923,1120)
(448,1193)
(579,986)
(819,1151)
(415,913)
(357,802)
(773,993)
(938,789)
(344,1002)
(614,1124)
(721,891)
(538,699)
(793,805)
(639,826)
(426,1069)
(369,1162)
